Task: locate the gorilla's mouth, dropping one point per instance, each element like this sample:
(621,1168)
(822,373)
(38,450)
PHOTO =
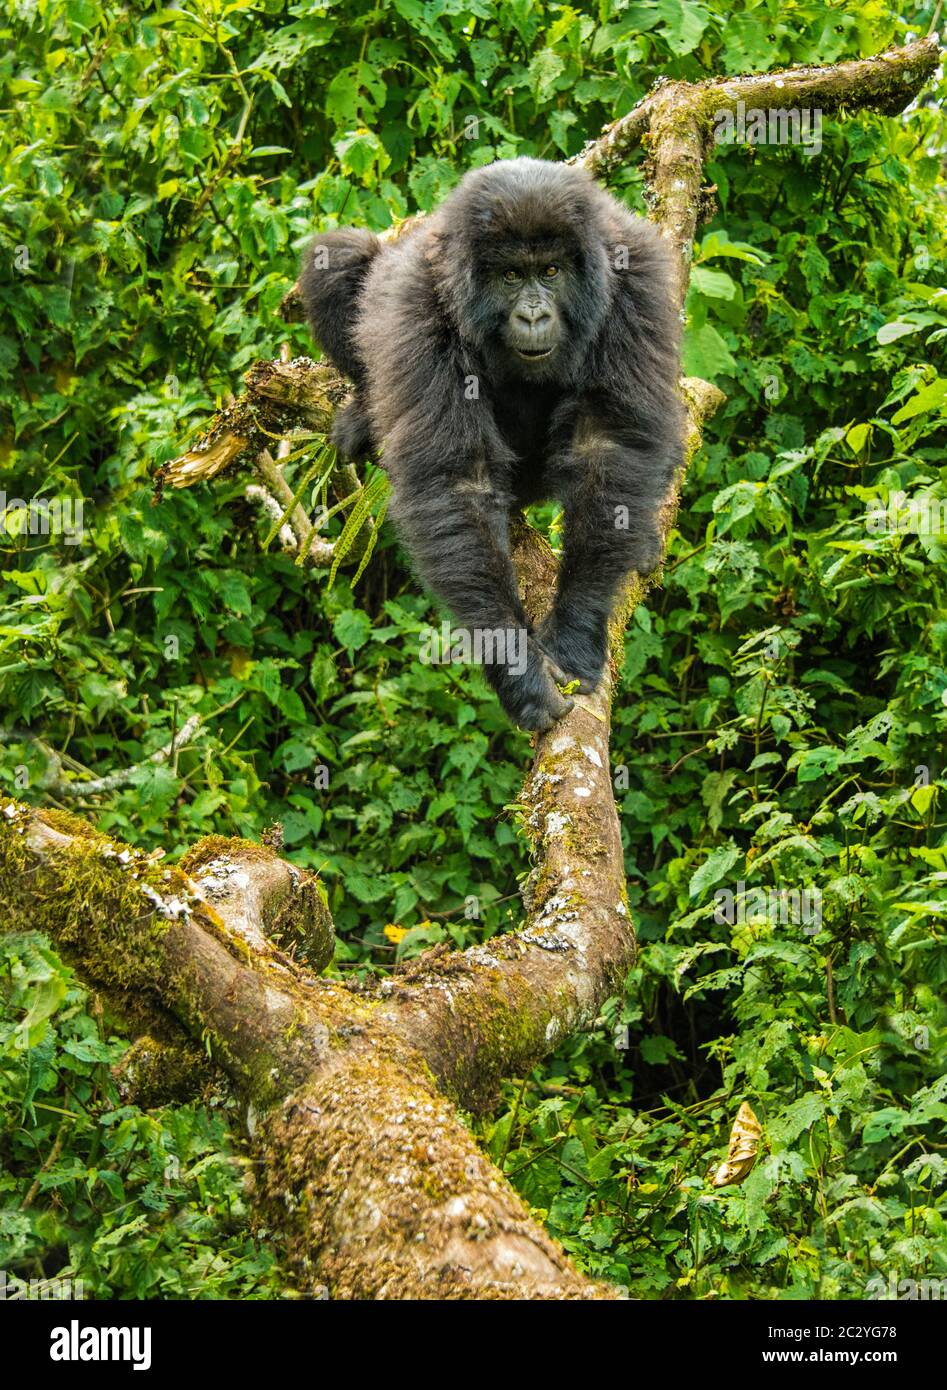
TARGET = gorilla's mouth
(534,354)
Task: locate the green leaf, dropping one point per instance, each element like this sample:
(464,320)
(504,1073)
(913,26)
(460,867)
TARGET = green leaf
(46,997)
(717,865)
(352,629)
(930,397)
(890,332)
(801,1115)
(714,284)
(706,355)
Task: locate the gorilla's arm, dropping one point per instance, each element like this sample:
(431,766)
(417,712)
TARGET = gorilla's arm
(334,271)
(612,493)
(626,449)
(452,514)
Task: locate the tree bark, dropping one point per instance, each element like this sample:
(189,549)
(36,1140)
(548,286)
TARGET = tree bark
(364,1165)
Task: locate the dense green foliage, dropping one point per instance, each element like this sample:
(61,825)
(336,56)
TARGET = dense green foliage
(149,1205)
(783,711)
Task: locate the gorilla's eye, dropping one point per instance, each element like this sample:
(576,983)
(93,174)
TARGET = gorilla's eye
(512,277)
(551,272)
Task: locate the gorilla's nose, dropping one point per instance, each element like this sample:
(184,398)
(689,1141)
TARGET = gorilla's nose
(532,315)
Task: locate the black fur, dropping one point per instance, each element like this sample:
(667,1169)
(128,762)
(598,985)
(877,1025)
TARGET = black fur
(444,344)
(330,283)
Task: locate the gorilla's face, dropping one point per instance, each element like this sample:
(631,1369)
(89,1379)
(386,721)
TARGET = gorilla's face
(531,287)
(526,294)
(519,257)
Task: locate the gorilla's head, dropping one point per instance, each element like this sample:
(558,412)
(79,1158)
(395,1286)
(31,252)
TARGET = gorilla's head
(519,255)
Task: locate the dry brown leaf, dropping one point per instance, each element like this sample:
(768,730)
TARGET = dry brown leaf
(741,1154)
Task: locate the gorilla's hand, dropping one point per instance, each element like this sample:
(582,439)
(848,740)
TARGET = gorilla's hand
(575,642)
(531,698)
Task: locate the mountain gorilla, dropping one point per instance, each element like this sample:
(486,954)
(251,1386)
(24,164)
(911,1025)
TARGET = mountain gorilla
(519,344)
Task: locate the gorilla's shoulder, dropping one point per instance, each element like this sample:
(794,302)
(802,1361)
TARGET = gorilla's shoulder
(401,275)
(403,330)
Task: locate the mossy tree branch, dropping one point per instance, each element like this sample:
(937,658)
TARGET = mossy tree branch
(363,1162)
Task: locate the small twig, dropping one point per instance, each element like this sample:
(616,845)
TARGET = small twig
(317,551)
(268,503)
(51,1158)
(56,784)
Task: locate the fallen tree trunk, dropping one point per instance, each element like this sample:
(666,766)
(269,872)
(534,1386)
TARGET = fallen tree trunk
(364,1164)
